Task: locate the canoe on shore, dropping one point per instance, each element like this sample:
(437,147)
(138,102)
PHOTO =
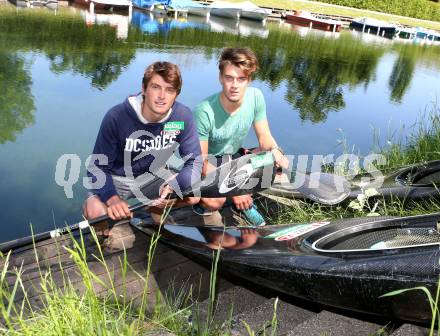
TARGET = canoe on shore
(348,264)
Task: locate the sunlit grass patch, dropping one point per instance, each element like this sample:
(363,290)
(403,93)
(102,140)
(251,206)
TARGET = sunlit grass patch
(65,309)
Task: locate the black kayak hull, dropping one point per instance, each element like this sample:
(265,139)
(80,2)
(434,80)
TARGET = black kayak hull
(353,279)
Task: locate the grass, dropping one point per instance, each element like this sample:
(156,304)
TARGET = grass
(66,310)
(317,7)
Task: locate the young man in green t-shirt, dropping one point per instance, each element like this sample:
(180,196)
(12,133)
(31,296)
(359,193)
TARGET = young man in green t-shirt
(223,122)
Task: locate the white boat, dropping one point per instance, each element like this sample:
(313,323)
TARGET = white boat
(237,10)
(199,11)
(225,9)
(192,7)
(252,12)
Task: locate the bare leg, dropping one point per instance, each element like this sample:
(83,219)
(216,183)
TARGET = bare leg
(213,204)
(156,213)
(93,208)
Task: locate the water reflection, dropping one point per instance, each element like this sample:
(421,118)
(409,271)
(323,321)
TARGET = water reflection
(152,23)
(303,31)
(16,100)
(118,21)
(241,27)
(315,69)
(400,78)
(102,66)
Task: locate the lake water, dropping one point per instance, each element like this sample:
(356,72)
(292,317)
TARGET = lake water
(59,74)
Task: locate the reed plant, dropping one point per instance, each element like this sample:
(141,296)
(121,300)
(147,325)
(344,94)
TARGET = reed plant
(66,310)
(422,144)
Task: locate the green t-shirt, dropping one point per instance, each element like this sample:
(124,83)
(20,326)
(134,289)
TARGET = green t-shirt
(225,132)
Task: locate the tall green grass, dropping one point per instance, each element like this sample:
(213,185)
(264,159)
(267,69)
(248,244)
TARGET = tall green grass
(422,144)
(66,310)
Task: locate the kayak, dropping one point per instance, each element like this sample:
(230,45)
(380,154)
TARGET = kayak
(349,264)
(415,182)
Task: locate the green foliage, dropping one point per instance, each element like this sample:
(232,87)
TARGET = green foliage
(420,9)
(433,303)
(421,145)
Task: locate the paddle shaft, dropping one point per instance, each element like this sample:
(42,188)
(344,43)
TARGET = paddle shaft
(21,242)
(203,190)
(216,178)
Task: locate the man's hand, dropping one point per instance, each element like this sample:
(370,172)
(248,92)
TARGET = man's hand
(162,201)
(117,208)
(242,202)
(280,159)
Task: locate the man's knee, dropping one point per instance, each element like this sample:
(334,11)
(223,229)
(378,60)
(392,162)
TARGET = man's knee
(213,203)
(192,200)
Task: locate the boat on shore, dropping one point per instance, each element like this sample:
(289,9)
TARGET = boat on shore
(427,34)
(237,10)
(304,18)
(374,26)
(191,7)
(349,264)
(253,12)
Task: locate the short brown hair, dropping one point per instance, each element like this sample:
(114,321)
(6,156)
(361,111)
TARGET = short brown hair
(169,72)
(243,58)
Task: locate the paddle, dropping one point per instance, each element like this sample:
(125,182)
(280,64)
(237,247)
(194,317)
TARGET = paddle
(245,175)
(319,187)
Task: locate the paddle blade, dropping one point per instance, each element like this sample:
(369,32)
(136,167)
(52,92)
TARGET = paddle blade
(319,187)
(246,175)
